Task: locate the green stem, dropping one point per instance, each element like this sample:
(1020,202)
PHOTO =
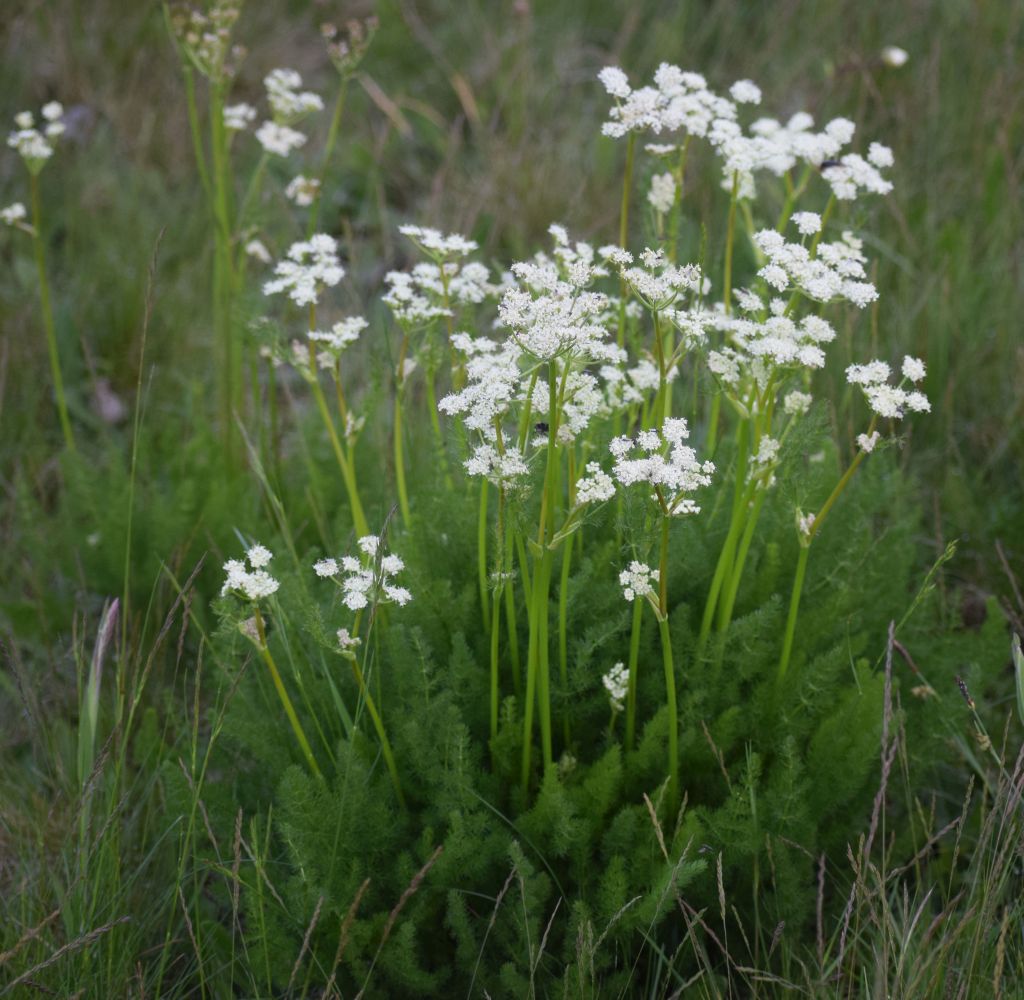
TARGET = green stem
(725,557)
(435,423)
(673,716)
(730,235)
(726,606)
(385,744)
(677,203)
(481,555)
(794,608)
(286,702)
(801,566)
(196,131)
(48,324)
(332,139)
(358,517)
(634,663)
(563,633)
(510,616)
(403,496)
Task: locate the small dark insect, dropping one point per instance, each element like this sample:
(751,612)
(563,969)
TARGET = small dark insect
(829,163)
(540,427)
(963,690)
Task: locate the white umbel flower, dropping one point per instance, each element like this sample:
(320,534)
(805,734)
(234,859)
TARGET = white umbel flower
(368,579)
(638,581)
(13,214)
(238,117)
(280,140)
(310,266)
(250,581)
(616,683)
(302,190)
(661,460)
(662,194)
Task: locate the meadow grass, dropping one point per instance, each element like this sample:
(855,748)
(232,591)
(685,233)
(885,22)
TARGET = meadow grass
(158,834)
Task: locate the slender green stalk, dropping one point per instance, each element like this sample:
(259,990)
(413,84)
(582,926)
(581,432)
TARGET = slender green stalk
(332,139)
(399,444)
(495,679)
(358,516)
(541,594)
(435,423)
(666,654)
(726,556)
(627,187)
(378,724)
(537,662)
(728,601)
(801,566)
(794,609)
(286,702)
(223,276)
(677,203)
(673,715)
(481,555)
(634,664)
(563,633)
(403,495)
(47,309)
(510,614)
(730,239)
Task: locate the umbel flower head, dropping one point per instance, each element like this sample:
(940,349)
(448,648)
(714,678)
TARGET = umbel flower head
(616,683)
(35,147)
(366,580)
(248,578)
(886,400)
(287,103)
(663,461)
(205,37)
(347,50)
(310,266)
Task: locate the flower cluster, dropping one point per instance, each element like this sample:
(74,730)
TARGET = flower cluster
(238,117)
(616,683)
(13,214)
(302,190)
(36,147)
(661,460)
(279,140)
(205,37)
(835,271)
(310,266)
(657,282)
(438,245)
(251,581)
(886,400)
(368,579)
(681,102)
(346,52)
(638,581)
(335,341)
(287,103)
(550,316)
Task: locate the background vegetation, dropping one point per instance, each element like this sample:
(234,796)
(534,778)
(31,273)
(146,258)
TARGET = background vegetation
(117,876)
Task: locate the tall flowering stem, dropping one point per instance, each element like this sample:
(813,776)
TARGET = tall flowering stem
(47,310)
(538,680)
(399,440)
(378,725)
(344,458)
(282,693)
(808,529)
(332,140)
